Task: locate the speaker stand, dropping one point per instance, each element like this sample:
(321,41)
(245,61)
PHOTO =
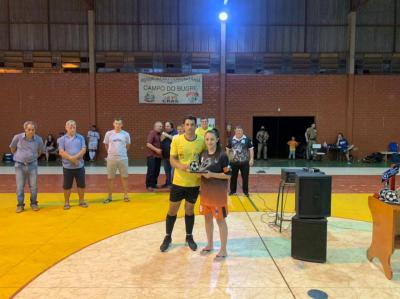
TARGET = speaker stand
(279,218)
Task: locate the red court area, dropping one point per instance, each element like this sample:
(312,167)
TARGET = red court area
(258,183)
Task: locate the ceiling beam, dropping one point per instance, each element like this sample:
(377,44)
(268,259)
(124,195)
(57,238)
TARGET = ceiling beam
(356,4)
(89,4)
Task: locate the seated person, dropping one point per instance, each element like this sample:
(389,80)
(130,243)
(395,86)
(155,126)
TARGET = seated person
(344,146)
(50,147)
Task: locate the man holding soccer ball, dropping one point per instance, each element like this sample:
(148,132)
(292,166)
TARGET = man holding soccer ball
(185,149)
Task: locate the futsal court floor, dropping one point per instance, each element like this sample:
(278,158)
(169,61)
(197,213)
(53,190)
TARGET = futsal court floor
(112,251)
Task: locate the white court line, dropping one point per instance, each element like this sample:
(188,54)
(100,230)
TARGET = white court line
(253,170)
(327,170)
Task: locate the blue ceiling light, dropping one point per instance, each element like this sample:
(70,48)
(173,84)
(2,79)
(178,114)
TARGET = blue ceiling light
(223,16)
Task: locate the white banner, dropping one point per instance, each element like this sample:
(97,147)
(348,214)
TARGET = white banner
(170,90)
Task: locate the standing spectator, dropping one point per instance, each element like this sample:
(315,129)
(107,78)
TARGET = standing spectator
(72,147)
(344,147)
(154,156)
(292,148)
(26,148)
(228,132)
(117,143)
(242,153)
(203,128)
(262,138)
(180,130)
(93,142)
(50,146)
(185,149)
(166,139)
(311,138)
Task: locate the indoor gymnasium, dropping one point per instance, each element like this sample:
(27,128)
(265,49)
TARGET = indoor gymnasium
(199,149)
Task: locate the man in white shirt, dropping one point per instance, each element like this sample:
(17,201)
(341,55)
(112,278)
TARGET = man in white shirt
(93,137)
(117,143)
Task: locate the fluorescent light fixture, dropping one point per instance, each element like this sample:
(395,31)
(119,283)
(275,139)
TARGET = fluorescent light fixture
(70,65)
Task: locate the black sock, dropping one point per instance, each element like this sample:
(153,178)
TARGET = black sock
(189,222)
(169,224)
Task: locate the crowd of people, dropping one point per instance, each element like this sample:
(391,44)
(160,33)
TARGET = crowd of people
(311,147)
(50,150)
(176,147)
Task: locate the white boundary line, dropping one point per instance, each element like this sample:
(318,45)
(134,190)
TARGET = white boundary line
(9,170)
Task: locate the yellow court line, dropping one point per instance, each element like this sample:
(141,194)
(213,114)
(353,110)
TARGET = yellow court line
(239,203)
(32,242)
(344,205)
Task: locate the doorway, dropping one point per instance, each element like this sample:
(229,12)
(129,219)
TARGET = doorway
(280,130)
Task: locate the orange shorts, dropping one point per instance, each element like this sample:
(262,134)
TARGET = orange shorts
(217,212)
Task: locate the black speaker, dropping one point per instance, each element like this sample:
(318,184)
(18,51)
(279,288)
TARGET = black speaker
(313,195)
(309,238)
(288,175)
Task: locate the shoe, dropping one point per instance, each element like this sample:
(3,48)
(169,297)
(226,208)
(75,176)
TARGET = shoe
(232,193)
(83,204)
(35,208)
(165,244)
(192,244)
(19,209)
(67,206)
(107,200)
(126,198)
(150,189)
(246,194)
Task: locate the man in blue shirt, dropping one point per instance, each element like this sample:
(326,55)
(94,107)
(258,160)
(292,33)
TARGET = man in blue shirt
(344,147)
(72,147)
(26,147)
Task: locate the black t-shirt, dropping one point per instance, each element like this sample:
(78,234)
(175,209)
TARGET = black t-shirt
(166,144)
(240,148)
(50,143)
(214,191)
(217,162)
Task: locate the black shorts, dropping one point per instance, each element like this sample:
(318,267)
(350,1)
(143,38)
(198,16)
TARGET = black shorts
(71,174)
(178,193)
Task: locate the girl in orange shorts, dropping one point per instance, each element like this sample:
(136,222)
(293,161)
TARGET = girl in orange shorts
(214,190)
